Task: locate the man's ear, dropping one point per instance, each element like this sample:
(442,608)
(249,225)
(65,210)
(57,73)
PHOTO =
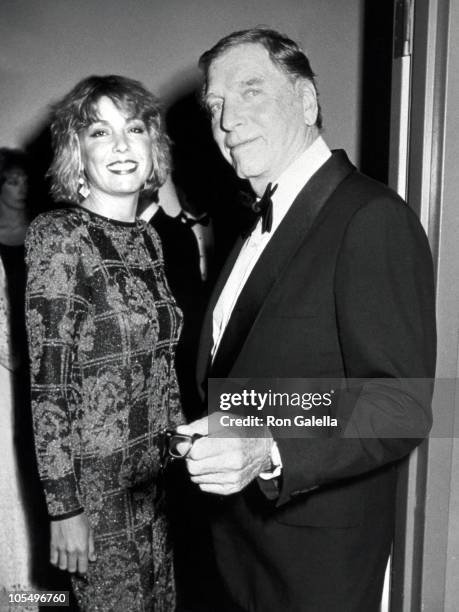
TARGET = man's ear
(308,94)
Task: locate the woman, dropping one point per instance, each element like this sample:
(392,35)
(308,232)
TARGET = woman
(102,328)
(15,542)
(13,193)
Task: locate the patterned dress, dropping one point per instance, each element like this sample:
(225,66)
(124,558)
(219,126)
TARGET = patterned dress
(102,327)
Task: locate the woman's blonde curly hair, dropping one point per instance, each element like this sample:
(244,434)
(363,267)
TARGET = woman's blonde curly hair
(78,109)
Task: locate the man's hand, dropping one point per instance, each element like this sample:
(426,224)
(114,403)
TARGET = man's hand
(225,465)
(72,544)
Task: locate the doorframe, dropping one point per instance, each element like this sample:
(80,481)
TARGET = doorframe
(423,559)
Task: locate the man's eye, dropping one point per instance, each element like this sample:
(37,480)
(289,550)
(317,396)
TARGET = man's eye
(251,93)
(215,108)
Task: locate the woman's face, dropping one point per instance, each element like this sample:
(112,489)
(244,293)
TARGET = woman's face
(115,152)
(13,192)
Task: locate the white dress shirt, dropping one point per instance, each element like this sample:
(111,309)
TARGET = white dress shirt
(149,212)
(289,184)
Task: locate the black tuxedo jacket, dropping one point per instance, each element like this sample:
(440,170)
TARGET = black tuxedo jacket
(344,289)
(181,259)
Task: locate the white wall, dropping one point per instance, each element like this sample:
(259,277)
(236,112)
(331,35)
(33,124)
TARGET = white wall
(47,45)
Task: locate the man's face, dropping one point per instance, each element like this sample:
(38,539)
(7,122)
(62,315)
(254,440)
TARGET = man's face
(261,120)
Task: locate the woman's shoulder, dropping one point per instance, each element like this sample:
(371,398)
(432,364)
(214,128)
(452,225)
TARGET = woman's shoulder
(61,221)
(62,229)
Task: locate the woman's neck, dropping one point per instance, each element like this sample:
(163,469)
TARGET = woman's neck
(119,208)
(11,216)
(13,225)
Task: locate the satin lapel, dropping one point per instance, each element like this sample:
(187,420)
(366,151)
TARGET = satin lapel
(289,236)
(205,340)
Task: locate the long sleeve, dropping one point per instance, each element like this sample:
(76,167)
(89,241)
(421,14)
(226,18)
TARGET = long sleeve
(56,307)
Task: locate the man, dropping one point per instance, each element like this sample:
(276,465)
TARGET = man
(341,287)
(180,251)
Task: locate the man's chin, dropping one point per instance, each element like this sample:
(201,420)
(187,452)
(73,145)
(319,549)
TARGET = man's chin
(246,171)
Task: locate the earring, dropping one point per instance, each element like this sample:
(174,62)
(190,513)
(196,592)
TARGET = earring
(83,188)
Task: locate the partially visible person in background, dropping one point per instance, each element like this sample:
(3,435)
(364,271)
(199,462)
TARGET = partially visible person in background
(102,327)
(201,225)
(13,195)
(181,254)
(15,534)
(182,263)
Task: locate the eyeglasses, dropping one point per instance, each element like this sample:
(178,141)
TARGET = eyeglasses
(170,445)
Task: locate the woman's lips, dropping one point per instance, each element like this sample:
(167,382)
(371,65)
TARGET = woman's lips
(124,167)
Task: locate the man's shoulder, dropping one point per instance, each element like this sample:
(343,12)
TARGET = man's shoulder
(376,211)
(361,202)
(341,181)
(364,194)
(166,224)
(358,184)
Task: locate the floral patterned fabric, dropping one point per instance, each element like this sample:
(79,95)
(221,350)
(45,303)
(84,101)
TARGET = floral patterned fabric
(102,327)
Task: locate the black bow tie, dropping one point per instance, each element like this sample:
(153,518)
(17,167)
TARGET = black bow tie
(264,208)
(190,221)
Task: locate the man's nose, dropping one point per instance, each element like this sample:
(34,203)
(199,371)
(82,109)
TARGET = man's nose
(231,116)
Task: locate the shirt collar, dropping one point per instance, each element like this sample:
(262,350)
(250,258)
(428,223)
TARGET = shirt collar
(149,212)
(293,179)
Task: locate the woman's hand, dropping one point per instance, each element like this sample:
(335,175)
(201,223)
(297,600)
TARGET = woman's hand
(72,544)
